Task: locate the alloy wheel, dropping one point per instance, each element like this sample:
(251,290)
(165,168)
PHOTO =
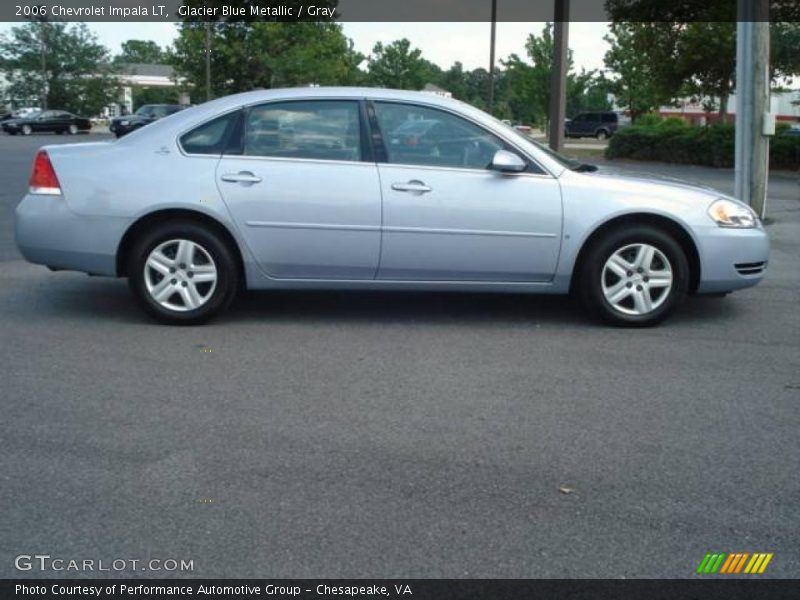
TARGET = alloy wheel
(637,279)
(180,275)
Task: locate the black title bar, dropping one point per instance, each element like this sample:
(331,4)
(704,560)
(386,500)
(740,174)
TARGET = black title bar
(382,10)
(737,588)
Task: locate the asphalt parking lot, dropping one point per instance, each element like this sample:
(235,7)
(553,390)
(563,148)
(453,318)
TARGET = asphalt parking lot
(398,435)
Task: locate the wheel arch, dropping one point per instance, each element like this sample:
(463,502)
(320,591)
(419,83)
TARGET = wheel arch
(174,214)
(669,226)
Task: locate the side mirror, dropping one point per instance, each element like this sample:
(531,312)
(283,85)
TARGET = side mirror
(507,162)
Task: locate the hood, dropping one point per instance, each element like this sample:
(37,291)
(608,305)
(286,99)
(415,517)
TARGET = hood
(642,190)
(659,180)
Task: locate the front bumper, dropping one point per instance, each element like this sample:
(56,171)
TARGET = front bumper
(49,233)
(731,259)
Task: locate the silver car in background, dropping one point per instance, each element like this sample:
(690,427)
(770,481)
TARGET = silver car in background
(372,189)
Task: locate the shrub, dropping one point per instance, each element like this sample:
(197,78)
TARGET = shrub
(784,151)
(672,140)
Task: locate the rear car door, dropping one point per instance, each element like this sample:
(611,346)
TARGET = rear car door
(304,190)
(446,215)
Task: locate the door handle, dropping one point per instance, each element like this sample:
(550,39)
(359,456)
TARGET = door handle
(414,185)
(243,177)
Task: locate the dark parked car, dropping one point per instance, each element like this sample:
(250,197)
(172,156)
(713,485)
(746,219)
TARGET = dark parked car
(53,121)
(4,116)
(600,125)
(146,114)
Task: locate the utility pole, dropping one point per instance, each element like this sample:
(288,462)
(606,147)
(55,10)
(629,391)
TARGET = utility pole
(752,103)
(43,57)
(208,61)
(558,81)
(491,56)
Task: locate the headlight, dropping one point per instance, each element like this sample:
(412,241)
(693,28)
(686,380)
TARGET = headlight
(124,123)
(732,214)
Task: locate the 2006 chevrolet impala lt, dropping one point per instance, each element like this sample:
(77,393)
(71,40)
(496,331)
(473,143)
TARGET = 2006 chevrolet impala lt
(373,189)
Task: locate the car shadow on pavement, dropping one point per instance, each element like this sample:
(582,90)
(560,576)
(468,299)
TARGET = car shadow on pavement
(109,300)
(391,307)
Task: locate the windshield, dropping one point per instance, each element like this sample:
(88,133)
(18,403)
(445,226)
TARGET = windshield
(145,111)
(569,163)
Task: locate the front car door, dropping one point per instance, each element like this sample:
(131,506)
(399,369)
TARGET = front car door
(446,215)
(44,121)
(304,191)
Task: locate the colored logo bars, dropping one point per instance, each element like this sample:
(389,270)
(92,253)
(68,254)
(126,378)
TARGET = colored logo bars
(731,564)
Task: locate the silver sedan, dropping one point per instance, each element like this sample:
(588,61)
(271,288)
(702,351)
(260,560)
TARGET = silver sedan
(370,189)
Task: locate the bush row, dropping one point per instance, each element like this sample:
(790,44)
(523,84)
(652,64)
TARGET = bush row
(675,141)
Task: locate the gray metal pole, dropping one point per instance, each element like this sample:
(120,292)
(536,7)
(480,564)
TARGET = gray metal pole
(208,60)
(558,82)
(491,55)
(752,101)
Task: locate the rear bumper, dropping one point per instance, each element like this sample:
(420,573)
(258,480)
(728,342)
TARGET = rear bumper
(731,259)
(49,233)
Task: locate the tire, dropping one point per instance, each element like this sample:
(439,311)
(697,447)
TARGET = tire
(72,129)
(602,134)
(26,130)
(614,289)
(211,257)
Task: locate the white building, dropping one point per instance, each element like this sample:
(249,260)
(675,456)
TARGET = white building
(140,75)
(785,105)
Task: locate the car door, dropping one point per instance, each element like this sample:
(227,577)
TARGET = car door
(447,216)
(304,190)
(43,121)
(61,120)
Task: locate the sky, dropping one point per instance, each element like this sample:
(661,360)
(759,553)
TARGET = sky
(441,43)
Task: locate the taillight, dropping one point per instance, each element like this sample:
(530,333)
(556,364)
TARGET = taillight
(43,177)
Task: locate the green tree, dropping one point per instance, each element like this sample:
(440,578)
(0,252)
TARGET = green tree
(398,65)
(527,82)
(141,51)
(454,80)
(785,57)
(246,56)
(587,91)
(57,65)
(640,83)
(680,49)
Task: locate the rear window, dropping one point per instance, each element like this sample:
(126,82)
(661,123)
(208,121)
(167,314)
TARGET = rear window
(609,117)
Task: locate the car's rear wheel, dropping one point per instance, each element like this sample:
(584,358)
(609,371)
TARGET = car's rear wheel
(634,277)
(602,134)
(73,129)
(26,130)
(183,273)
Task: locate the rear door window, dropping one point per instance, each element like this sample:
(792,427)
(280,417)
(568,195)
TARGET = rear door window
(308,129)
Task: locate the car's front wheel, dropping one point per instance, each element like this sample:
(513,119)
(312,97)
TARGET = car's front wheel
(634,277)
(73,129)
(26,130)
(183,273)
